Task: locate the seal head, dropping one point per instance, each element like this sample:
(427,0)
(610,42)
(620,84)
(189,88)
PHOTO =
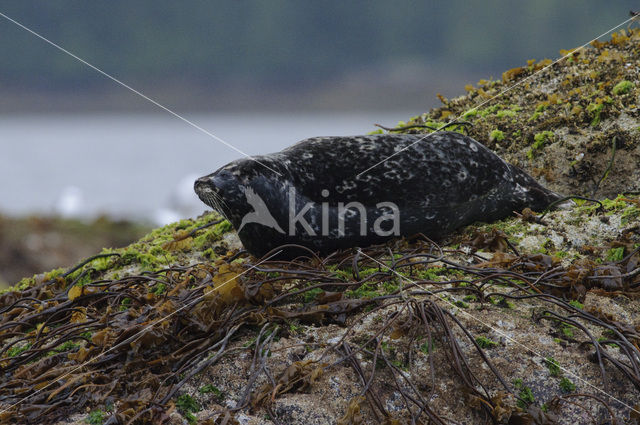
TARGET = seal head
(431,186)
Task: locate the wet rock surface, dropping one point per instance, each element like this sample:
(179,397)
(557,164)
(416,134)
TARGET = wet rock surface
(530,319)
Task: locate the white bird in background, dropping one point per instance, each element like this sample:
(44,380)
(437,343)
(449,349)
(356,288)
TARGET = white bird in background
(182,203)
(70,203)
(183,198)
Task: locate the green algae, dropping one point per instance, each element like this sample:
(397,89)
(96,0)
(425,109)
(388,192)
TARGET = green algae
(553,366)
(211,235)
(567,331)
(525,395)
(311,294)
(366,291)
(471,113)
(595,111)
(506,113)
(17,349)
(187,406)
(567,386)
(497,135)
(577,304)
(615,254)
(485,342)
(147,260)
(460,304)
(428,346)
(158,289)
(628,211)
(623,87)
(53,274)
(540,140)
(125,303)
(211,389)
(629,215)
(96,417)
(538,112)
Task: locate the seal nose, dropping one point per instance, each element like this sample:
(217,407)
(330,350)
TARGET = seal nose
(203,186)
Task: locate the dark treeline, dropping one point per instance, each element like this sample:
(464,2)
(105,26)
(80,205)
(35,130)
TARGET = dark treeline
(283,42)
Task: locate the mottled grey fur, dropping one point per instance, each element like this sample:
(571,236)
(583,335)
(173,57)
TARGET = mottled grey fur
(441,183)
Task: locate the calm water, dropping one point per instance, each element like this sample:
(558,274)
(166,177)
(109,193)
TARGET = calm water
(141,166)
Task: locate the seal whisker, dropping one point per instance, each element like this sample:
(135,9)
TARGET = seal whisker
(221,207)
(220,203)
(213,202)
(220,200)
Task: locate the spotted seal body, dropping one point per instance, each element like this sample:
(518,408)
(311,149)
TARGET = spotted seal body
(433,187)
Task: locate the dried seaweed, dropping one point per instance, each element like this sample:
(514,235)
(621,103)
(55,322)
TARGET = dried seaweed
(65,347)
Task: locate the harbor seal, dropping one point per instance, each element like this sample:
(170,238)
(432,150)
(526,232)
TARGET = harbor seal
(431,186)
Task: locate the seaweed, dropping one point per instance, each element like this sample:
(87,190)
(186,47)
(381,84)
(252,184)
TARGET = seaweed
(101,351)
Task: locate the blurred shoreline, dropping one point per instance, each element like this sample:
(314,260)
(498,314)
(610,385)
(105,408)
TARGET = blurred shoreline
(36,244)
(405,87)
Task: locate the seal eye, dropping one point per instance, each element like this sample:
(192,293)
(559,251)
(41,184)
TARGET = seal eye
(215,184)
